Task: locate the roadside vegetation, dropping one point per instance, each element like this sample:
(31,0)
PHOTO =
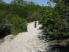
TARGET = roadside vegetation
(15,16)
(55,20)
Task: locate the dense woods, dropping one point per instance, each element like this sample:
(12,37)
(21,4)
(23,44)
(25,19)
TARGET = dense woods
(15,16)
(55,20)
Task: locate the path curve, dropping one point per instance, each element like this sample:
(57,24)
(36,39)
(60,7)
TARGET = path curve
(25,41)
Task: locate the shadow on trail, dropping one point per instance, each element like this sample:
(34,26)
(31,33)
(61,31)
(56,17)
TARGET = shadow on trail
(58,48)
(54,48)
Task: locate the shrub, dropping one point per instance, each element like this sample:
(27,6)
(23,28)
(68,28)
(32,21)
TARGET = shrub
(12,24)
(19,24)
(53,24)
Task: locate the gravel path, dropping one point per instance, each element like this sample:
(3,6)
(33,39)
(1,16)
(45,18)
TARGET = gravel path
(25,41)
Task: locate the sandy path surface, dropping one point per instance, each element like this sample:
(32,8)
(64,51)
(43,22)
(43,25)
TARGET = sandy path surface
(25,41)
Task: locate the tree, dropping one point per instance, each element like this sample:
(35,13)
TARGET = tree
(1,1)
(49,3)
(18,2)
(53,22)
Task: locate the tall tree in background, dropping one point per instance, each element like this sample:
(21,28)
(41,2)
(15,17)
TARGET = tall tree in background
(49,3)
(55,20)
(63,8)
(1,1)
(18,2)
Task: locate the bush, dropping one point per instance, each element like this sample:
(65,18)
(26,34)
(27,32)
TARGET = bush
(12,24)
(19,24)
(53,24)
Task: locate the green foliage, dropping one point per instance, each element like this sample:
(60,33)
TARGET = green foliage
(27,12)
(53,24)
(18,24)
(14,17)
(55,20)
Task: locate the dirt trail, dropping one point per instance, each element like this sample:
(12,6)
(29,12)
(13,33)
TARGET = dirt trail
(25,41)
